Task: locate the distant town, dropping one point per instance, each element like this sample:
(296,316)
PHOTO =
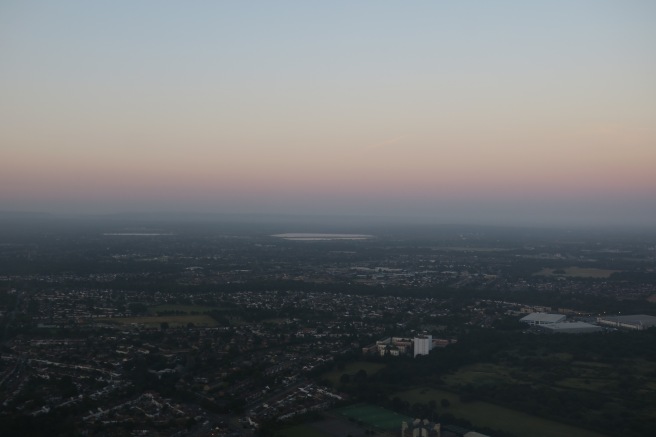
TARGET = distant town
(174,329)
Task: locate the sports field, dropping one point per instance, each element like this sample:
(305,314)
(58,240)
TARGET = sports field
(374,416)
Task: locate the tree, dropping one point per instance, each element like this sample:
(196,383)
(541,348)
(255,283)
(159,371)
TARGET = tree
(138,308)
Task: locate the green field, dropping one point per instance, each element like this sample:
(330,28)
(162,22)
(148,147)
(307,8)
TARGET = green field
(201,320)
(558,375)
(301,431)
(374,416)
(351,369)
(492,416)
(479,374)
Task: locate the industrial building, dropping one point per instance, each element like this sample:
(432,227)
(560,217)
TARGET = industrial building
(569,328)
(543,318)
(638,322)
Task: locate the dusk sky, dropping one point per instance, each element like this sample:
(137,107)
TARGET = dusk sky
(472,111)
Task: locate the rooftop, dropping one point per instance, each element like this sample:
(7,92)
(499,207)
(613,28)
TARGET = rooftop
(543,318)
(636,319)
(571,326)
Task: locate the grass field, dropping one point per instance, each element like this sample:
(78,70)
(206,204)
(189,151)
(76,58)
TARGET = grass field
(496,417)
(374,416)
(301,431)
(479,374)
(351,369)
(329,427)
(561,374)
(596,385)
(201,320)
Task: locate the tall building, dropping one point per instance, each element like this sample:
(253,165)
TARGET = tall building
(423,344)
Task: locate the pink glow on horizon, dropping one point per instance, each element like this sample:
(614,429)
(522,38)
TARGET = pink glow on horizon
(365,108)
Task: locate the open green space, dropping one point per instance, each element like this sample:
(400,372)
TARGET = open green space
(301,431)
(373,416)
(533,382)
(175,321)
(351,369)
(592,384)
(485,414)
(483,373)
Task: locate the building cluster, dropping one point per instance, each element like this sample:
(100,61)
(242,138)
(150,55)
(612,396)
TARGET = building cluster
(299,399)
(427,428)
(421,428)
(150,336)
(393,346)
(420,344)
(558,323)
(466,260)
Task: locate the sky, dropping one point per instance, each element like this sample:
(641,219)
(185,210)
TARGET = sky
(450,111)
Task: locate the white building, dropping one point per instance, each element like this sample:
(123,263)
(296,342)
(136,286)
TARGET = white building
(423,344)
(421,428)
(543,318)
(638,322)
(394,346)
(570,328)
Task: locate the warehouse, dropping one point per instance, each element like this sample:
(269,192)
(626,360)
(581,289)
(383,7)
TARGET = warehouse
(638,322)
(542,318)
(569,328)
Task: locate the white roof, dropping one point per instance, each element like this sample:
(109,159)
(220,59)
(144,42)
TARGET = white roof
(543,317)
(636,319)
(572,326)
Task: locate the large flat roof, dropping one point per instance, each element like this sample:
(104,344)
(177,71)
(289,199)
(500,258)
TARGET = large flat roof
(542,317)
(635,319)
(571,327)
